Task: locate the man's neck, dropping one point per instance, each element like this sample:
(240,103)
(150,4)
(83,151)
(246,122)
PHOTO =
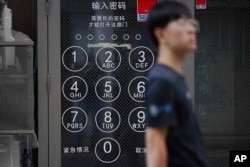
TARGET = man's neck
(171,59)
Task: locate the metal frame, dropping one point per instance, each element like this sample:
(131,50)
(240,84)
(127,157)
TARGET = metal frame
(43,125)
(49,83)
(54,63)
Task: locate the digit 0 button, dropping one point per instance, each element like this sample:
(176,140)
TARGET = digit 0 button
(141,59)
(107,150)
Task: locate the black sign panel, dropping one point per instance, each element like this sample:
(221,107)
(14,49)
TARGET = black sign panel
(105,54)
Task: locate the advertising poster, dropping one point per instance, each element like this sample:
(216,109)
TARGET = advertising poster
(105,56)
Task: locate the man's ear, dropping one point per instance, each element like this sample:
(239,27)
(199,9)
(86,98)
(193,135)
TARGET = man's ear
(158,32)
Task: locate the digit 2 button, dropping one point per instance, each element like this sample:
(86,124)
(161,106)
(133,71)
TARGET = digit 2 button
(75,59)
(108,59)
(141,59)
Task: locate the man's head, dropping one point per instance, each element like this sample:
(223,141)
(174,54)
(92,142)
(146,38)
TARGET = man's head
(170,24)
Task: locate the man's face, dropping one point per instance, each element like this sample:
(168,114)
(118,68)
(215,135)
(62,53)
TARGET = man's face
(180,35)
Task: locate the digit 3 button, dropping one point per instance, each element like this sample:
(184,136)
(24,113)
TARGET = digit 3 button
(137,88)
(108,59)
(141,59)
(74,89)
(108,89)
(136,119)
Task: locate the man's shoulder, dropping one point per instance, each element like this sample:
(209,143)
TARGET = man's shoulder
(162,74)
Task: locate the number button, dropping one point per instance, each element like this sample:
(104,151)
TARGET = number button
(137,119)
(74,58)
(107,150)
(74,119)
(108,89)
(75,89)
(107,120)
(108,59)
(137,88)
(141,58)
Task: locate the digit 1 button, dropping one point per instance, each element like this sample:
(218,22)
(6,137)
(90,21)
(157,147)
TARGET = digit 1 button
(108,59)
(136,119)
(107,150)
(74,58)
(137,88)
(141,58)
(108,89)
(74,119)
(107,119)
(74,89)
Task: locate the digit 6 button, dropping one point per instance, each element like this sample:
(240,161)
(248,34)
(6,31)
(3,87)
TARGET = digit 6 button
(137,88)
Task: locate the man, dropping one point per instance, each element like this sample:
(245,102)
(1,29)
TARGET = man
(173,138)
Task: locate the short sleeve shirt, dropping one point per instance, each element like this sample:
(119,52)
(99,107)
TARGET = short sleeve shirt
(169,104)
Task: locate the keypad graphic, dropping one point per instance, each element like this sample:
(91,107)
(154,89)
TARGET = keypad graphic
(105,58)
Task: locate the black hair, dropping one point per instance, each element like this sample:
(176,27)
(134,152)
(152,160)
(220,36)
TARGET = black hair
(164,12)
